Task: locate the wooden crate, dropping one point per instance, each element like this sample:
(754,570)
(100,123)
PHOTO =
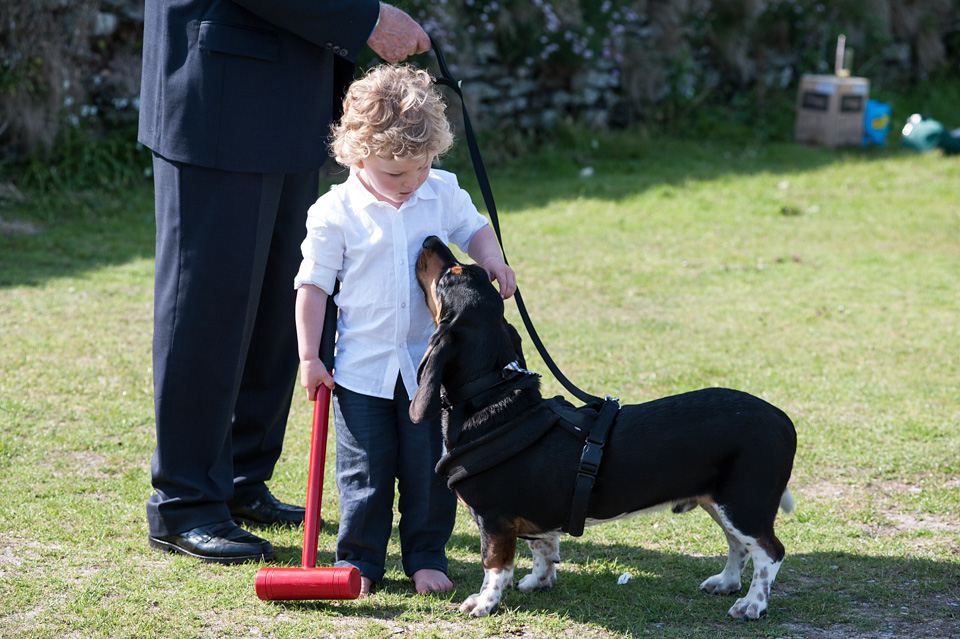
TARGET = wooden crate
(830,109)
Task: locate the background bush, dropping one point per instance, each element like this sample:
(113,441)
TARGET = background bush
(69,70)
(618,62)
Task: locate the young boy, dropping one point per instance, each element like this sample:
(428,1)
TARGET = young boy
(367,233)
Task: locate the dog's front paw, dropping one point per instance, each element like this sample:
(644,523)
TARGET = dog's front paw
(719,585)
(747,609)
(479,605)
(531,582)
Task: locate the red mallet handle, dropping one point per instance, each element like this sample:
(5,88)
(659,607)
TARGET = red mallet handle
(318,453)
(308,582)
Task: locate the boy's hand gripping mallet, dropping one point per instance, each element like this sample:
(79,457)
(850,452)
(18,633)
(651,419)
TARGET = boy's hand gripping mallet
(307,581)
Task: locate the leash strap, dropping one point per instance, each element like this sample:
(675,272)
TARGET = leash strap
(590,465)
(447,79)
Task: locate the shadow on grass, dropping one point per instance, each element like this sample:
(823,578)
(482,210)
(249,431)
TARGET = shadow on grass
(817,594)
(68,235)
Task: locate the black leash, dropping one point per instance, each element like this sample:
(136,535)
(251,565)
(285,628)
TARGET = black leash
(447,79)
(610,406)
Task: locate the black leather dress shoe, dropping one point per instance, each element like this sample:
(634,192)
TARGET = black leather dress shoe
(224,543)
(267,510)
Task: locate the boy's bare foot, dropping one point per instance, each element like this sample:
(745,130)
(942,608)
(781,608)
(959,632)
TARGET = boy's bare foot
(429,580)
(366,585)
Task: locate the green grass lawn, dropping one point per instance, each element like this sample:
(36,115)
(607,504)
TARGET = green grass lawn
(825,281)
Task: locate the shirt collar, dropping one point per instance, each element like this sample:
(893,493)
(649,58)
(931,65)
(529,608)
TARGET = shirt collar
(364,198)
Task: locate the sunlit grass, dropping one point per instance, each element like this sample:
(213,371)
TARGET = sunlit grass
(827,282)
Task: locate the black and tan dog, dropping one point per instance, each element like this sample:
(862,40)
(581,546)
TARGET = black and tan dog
(513,457)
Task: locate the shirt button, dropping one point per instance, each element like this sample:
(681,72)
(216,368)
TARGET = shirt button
(403,304)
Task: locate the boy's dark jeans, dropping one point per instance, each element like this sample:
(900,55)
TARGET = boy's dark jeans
(378,445)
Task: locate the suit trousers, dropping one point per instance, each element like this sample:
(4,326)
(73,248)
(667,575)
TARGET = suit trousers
(224,343)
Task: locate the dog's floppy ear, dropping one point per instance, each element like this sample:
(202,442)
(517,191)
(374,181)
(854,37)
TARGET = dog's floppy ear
(426,400)
(516,342)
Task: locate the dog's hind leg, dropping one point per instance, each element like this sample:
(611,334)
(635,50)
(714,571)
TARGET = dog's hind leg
(546,556)
(767,555)
(727,581)
(765,569)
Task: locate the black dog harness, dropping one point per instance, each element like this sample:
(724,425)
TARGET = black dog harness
(589,424)
(590,464)
(497,446)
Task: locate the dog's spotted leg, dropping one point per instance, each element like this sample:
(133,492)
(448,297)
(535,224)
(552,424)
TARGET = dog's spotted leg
(484,602)
(546,556)
(767,556)
(727,581)
(754,604)
(498,556)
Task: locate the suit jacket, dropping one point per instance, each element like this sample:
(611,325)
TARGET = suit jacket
(247,85)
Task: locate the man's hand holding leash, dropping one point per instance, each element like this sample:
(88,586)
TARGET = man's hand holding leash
(397,36)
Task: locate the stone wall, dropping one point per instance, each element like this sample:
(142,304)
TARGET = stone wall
(76,62)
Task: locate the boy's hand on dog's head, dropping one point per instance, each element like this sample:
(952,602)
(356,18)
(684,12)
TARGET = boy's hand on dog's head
(500,271)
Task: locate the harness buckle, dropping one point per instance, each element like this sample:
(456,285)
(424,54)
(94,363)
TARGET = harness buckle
(589,466)
(590,459)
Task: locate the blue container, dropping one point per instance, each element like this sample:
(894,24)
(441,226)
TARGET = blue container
(876,122)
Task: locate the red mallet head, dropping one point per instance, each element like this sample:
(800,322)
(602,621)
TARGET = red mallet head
(299,583)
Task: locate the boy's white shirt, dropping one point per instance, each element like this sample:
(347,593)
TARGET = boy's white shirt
(372,248)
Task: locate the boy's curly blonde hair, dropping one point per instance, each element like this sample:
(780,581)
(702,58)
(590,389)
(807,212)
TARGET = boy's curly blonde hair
(391,112)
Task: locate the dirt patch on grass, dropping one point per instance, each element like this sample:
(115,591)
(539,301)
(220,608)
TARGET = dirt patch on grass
(887,495)
(898,629)
(909,522)
(11,227)
(82,463)
(15,550)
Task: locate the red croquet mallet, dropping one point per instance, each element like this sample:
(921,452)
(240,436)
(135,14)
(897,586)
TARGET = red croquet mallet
(308,581)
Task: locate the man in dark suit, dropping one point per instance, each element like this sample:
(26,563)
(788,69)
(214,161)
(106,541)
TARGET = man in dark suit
(236,101)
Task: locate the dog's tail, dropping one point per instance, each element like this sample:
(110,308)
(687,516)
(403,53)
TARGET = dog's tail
(787,504)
